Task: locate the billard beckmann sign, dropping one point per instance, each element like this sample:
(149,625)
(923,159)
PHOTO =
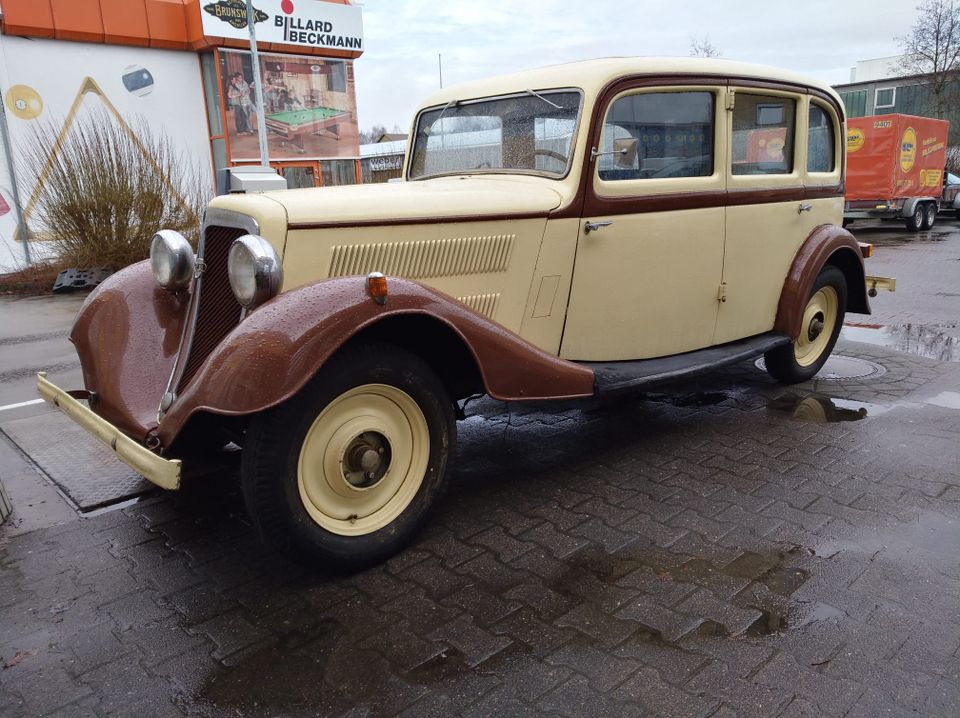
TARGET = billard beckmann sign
(312,23)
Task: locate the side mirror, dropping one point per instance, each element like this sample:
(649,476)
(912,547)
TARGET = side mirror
(625,153)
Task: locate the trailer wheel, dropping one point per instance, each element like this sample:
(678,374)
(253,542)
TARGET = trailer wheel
(914,222)
(930,216)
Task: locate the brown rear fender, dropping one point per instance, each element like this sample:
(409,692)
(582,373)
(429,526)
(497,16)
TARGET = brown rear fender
(827,244)
(279,347)
(127,334)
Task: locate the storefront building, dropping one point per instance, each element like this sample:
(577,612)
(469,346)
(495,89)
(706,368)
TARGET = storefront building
(183,67)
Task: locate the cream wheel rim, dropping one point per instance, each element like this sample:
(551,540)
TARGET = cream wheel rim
(819,321)
(363,459)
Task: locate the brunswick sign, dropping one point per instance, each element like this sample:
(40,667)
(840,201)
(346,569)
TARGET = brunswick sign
(309,23)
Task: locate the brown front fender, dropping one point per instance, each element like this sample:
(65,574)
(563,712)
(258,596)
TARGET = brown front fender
(279,347)
(827,244)
(127,334)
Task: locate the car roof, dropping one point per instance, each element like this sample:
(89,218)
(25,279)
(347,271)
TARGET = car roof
(593,75)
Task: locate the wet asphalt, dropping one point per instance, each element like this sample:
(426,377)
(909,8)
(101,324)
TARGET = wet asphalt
(722,546)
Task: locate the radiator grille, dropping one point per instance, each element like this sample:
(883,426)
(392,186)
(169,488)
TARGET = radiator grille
(485,304)
(428,258)
(219,312)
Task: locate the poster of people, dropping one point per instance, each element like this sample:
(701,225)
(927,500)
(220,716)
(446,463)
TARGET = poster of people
(310,106)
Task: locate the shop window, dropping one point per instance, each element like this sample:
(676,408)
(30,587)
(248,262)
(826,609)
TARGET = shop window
(763,135)
(658,134)
(820,141)
(211,94)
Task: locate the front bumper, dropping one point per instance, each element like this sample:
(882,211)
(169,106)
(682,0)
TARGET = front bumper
(165,473)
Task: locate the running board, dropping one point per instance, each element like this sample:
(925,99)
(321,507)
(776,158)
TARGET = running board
(617,375)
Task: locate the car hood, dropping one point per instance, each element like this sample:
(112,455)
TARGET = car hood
(446,197)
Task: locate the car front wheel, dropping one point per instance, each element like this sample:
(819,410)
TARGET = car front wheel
(343,474)
(820,327)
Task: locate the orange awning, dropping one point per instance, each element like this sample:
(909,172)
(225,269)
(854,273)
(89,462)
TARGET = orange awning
(168,24)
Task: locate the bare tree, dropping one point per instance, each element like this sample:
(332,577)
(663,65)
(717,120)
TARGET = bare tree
(373,134)
(933,48)
(702,47)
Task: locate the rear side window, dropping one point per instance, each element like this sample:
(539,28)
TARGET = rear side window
(820,141)
(763,134)
(658,134)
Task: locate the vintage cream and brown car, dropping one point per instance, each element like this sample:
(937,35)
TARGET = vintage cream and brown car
(558,233)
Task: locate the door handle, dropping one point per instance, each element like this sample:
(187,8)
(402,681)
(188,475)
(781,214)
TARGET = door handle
(589,227)
(804,207)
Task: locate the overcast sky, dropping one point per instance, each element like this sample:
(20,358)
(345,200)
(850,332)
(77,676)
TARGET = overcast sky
(479,38)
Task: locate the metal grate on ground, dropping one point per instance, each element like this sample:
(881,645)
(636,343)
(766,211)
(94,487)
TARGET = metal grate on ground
(84,469)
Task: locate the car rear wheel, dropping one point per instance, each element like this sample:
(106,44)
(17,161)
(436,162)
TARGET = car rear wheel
(820,327)
(914,222)
(343,475)
(930,216)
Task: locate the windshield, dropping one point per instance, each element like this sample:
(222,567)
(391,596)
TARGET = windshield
(530,132)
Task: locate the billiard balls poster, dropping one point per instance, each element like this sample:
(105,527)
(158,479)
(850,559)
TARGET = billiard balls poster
(49,86)
(310,107)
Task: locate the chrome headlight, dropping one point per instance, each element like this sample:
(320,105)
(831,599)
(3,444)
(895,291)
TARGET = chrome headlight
(254,270)
(171,259)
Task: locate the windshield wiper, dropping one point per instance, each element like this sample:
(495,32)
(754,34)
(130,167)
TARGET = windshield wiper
(541,97)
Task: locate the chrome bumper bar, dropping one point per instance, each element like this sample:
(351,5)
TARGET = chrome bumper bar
(165,473)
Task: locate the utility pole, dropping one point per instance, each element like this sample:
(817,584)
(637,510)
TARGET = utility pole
(257,85)
(440,67)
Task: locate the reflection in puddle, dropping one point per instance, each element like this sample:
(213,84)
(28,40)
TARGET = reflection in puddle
(822,410)
(918,339)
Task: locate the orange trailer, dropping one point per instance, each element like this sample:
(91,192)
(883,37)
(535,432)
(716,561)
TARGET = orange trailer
(895,167)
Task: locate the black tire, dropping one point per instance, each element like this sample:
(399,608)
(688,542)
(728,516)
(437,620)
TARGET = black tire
(270,469)
(914,223)
(782,363)
(929,215)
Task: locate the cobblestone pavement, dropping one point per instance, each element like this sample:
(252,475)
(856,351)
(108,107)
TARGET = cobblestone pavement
(721,547)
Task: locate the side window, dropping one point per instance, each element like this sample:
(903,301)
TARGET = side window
(658,134)
(763,134)
(820,141)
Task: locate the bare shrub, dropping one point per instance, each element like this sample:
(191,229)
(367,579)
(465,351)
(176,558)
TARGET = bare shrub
(104,189)
(953,159)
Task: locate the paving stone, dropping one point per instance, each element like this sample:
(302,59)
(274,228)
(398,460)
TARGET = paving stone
(603,671)
(647,689)
(230,632)
(604,628)
(476,644)
(577,698)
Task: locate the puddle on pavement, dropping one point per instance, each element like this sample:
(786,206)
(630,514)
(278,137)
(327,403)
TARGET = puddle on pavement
(824,410)
(946,399)
(932,537)
(923,340)
(777,619)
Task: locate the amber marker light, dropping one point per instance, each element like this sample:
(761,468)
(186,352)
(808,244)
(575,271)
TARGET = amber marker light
(377,287)
(866,250)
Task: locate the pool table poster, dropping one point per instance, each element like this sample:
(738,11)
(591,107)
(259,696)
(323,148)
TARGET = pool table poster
(310,106)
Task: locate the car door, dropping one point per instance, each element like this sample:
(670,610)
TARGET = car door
(650,247)
(784,180)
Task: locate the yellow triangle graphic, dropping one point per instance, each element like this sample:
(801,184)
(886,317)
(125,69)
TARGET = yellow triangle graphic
(90,86)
